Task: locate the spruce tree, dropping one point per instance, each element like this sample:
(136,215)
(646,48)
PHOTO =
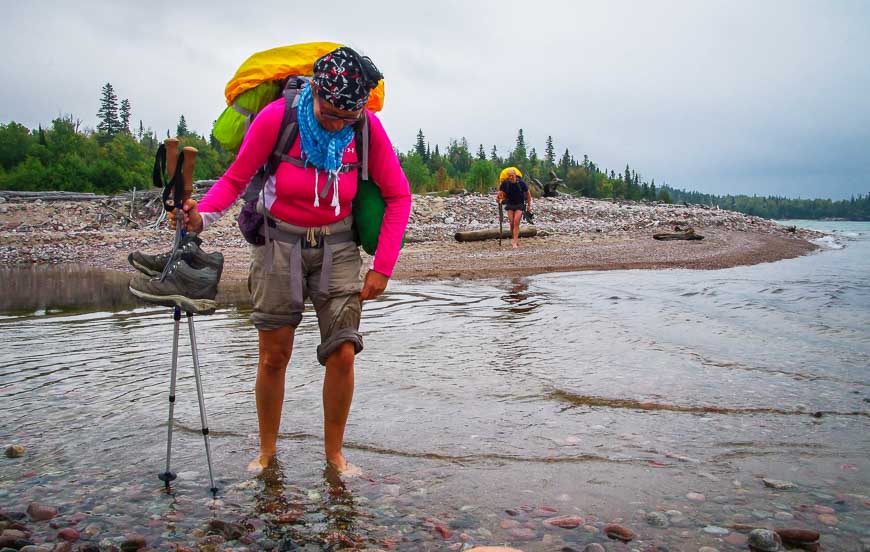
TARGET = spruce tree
(493,155)
(181,130)
(125,116)
(141,132)
(108,124)
(420,147)
(533,162)
(550,153)
(518,157)
(481,154)
(565,164)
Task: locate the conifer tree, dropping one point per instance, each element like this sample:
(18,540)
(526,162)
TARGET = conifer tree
(518,157)
(550,154)
(420,146)
(108,124)
(533,162)
(493,155)
(565,164)
(125,116)
(141,132)
(181,130)
(481,154)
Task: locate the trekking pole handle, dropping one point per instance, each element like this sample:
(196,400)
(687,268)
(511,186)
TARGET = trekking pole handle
(171,155)
(187,171)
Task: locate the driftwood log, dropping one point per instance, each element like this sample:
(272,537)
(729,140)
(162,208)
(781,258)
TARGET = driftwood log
(478,235)
(50,196)
(679,234)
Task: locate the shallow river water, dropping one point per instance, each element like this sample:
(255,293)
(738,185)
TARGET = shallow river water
(481,410)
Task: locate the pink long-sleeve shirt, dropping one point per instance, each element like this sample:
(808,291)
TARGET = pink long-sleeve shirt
(290,196)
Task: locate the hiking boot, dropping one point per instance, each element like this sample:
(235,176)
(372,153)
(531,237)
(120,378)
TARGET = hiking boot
(153,265)
(191,289)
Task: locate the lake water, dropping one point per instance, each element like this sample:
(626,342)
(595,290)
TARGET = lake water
(481,409)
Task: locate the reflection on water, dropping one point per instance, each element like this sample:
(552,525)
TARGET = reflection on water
(481,409)
(66,288)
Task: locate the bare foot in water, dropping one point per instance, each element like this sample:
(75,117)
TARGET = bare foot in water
(259,464)
(343,467)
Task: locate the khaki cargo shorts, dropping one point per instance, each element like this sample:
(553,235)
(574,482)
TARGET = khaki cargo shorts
(338,309)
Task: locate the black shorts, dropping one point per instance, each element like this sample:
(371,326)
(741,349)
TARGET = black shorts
(515,206)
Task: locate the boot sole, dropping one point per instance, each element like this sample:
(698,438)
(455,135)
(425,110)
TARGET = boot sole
(195,306)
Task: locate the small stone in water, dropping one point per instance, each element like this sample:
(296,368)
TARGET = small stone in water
(657,519)
(133,542)
(594,547)
(828,519)
(68,534)
(696,497)
(14,451)
(565,522)
(764,540)
(777,484)
(618,532)
(40,512)
(715,530)
(522,533)
(707,549)
(794,535)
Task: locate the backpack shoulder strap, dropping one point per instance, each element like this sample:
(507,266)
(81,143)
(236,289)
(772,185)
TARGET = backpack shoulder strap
(289,129)
(362,134)
(287,133)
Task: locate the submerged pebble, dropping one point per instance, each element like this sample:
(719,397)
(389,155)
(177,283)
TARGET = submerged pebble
(778,484)
(763,540)
(618,532)
(14,451)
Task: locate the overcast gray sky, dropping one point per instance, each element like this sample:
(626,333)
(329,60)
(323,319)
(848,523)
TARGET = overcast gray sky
(765,97)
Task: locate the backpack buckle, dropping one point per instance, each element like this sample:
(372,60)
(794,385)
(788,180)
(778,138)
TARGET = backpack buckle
(308,245)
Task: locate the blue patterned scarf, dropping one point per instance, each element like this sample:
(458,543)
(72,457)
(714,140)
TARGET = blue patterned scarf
(321,148)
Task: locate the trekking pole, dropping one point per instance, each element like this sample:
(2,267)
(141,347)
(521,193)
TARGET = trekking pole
(168,476)
(189,162)
(171,148)
(199,395)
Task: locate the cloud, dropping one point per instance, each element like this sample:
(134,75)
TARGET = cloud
(707,96)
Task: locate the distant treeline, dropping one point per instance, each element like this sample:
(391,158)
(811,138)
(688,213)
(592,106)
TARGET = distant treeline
(856,208)
(116,157)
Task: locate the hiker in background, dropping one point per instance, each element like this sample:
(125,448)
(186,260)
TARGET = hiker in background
(307,206)
(515,195)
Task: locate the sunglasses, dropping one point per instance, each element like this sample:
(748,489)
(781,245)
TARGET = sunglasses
(330,117)
(345,120)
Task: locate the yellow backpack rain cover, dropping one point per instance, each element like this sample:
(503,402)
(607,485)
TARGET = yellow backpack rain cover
(258,82)
(504,174)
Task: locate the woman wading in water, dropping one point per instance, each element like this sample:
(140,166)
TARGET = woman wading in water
(309,250)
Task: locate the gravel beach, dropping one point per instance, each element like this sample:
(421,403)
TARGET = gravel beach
(573,234)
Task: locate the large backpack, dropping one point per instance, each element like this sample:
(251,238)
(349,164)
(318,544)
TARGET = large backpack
(368,205)
(264,77)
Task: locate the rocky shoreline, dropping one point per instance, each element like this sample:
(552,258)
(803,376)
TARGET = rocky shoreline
(573,234)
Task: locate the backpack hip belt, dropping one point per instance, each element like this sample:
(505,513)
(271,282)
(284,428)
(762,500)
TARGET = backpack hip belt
(314,238)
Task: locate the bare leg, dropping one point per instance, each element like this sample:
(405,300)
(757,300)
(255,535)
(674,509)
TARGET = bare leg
(275,349)
(515,217)
(337,397)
